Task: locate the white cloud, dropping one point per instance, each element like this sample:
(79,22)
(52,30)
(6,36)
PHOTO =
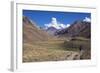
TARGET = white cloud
(56,24)
(87,19)
(64,26)
(67,25)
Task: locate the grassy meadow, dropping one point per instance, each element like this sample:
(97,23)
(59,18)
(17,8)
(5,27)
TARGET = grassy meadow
(56,50)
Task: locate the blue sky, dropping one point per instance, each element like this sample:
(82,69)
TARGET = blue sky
(45,17)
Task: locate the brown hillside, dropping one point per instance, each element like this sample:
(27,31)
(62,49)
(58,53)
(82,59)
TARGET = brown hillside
(32,33)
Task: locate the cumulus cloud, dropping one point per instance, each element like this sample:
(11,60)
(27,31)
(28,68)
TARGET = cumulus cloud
(67,25)
(86,19)
(54,23)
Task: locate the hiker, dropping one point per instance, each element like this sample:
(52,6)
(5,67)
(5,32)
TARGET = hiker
(80,48)
(81,51)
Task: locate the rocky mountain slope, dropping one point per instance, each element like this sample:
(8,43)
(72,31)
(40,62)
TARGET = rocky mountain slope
(51,30)
(32,33)
(78,28)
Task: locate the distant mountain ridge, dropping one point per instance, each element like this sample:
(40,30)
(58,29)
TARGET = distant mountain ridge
(51,30)
(78,28)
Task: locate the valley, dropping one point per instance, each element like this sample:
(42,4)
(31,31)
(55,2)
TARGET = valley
(39,45)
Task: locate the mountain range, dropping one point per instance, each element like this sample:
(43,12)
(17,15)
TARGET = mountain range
(78,28)
(31,32)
